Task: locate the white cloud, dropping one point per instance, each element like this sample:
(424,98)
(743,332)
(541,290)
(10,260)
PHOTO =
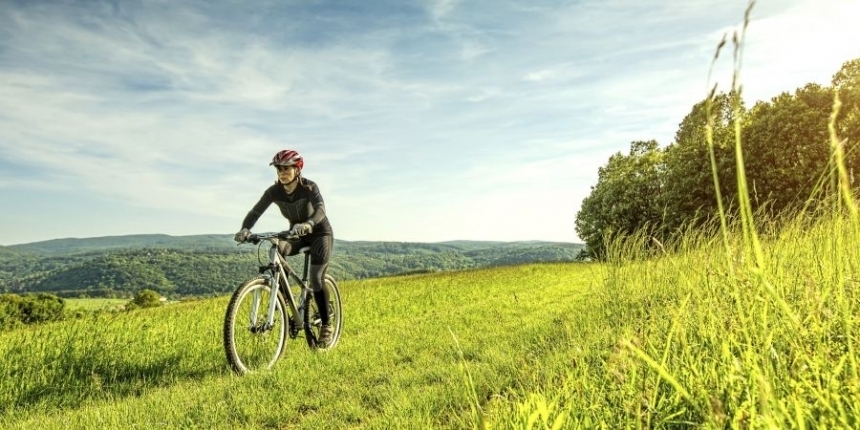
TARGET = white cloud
(440,8)
(407,121)
(473,49)
(540,75)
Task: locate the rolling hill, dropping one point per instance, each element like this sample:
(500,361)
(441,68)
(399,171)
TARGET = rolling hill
(118,266)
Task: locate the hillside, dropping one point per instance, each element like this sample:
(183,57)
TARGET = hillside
(224,242)
(396,365)
(8,252)
(213,264)
(67,246)
(689,340)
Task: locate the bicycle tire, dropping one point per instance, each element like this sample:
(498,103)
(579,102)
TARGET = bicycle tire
(312,322)
(249,345)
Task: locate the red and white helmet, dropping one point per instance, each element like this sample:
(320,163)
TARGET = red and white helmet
(288,157)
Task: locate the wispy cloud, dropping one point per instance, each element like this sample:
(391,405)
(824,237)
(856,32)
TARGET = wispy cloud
(440,8)
(539,75)
(411,115)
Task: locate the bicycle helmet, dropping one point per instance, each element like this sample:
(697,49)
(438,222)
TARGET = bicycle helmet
(288,157)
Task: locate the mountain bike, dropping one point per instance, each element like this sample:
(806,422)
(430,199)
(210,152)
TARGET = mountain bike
(265,309)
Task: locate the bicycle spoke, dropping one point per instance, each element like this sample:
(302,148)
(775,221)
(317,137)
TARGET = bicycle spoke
(259,344)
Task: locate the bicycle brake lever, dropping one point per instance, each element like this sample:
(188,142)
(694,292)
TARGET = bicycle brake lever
(286,235)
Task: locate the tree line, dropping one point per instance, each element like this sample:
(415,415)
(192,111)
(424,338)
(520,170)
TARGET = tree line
(786,153)
(177,273)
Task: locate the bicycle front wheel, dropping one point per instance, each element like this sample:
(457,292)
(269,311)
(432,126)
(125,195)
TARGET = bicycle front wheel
(251,342)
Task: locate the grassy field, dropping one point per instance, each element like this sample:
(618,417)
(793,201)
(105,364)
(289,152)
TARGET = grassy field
(700,338)
(398,363)
(90,304)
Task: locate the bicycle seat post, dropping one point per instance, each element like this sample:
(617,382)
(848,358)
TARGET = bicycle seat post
(306,270)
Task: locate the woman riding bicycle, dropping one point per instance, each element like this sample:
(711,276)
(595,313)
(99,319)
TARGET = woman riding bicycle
(302,205)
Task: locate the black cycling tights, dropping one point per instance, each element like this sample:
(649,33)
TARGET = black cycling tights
(320,251)
(317,274)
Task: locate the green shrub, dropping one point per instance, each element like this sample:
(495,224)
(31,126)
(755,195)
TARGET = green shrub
(17,310)
(145,298)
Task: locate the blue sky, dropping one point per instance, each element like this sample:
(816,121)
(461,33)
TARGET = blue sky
(421,121)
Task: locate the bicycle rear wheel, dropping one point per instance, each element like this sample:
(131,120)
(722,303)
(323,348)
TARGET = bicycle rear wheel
(249,341)
(313,323)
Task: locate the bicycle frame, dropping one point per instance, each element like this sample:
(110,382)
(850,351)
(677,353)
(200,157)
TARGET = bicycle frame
(253,341)
(276,267)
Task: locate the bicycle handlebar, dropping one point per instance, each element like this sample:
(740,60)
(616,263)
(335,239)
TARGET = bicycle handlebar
(256,238)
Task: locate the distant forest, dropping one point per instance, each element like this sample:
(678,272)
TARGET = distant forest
(183,266)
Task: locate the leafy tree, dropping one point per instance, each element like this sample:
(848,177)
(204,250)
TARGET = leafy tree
(690,195)
(847,83)
(848,77)
(625,199)
(786,148)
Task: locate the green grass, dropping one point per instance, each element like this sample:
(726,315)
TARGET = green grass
(91,304)
(692,339)
(397,365)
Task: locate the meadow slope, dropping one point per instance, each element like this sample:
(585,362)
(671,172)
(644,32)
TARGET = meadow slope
(398,363)
(717,334)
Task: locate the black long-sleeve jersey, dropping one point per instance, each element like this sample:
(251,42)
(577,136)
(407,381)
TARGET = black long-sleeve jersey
(305,203)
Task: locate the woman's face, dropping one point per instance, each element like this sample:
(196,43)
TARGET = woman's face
(286,174)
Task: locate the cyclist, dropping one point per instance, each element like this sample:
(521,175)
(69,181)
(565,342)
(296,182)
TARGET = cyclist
(302,205)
